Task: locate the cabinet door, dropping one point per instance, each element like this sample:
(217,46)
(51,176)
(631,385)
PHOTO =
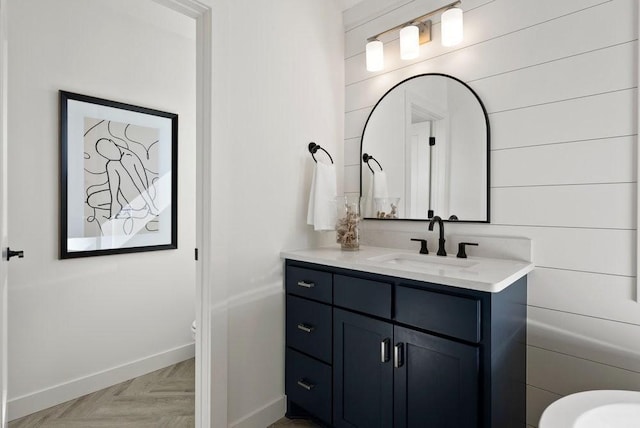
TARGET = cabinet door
(435,383)
(362,371)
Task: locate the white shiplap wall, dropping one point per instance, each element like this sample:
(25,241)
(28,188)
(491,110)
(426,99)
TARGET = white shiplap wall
(559,81)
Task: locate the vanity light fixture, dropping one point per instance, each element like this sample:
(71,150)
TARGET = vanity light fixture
(452,26)
(415,33)
(375,55)
(409,42)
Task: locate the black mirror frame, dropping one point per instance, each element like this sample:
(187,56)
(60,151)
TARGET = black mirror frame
(486,118)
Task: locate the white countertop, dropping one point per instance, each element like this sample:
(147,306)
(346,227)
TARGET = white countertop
(473,273)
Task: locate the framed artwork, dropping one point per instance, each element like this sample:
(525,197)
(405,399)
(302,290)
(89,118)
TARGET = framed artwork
(119,176)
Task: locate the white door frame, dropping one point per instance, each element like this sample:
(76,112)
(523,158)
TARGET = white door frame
(3,213)
(202,12)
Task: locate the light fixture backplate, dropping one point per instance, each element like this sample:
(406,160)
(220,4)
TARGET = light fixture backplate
(425,31)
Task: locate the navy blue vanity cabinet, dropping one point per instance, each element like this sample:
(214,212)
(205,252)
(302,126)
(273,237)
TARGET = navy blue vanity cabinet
(362,371)
(309,340)
(390,352)
(435,381)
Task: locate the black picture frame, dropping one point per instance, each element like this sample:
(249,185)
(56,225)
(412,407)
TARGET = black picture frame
(118,177)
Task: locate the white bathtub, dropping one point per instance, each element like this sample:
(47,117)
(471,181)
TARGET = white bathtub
(594,409)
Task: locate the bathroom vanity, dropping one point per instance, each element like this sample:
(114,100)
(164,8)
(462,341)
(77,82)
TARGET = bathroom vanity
(385,338)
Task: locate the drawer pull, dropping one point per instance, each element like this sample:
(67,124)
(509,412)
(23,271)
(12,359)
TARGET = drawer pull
(398,357)
(306,284)
(306,328)
(384,350)
(306,384)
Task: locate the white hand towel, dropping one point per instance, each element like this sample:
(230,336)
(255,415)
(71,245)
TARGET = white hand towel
(367,202)
(322,198)
(380,188)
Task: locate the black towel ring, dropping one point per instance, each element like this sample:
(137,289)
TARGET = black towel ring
(313,148)
(366,158)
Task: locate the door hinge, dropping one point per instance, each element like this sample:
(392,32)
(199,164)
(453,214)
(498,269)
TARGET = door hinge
(432,141)
(196,254)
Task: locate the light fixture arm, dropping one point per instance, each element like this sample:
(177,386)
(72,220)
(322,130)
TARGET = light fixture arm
(417,20)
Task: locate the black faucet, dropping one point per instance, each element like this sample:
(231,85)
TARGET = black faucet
(441,251)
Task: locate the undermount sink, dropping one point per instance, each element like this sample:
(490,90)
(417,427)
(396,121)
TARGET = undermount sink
(422,261)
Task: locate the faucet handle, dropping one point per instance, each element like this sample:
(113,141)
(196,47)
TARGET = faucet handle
(461,249)
(423,245)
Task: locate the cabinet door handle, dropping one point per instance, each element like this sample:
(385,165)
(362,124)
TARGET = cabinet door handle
(384,350)
(306,328)
(306,384)
(398,355)
(306,284)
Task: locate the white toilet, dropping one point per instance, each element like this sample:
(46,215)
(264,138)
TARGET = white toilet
(594,409)
(193,329)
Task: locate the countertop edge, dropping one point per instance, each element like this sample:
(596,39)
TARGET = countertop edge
(416,276)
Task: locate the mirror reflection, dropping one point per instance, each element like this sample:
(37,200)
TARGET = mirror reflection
(424,152)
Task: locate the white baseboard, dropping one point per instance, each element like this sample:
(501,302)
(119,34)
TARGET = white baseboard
(262,417)
(52,396)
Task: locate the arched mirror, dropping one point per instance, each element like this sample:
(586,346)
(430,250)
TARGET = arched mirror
(425,152)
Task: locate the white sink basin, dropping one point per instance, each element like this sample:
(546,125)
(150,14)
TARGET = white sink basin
(594,409)
(423,262)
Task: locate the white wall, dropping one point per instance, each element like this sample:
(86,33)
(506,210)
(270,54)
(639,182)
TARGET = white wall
(558,80)
(278,84)
(81,324)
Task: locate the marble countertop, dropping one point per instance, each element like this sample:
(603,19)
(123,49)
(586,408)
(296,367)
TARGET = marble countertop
(473,273)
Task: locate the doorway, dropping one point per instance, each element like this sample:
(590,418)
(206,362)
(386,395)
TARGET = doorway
(202,15)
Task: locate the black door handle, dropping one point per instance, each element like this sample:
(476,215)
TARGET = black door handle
(11,253)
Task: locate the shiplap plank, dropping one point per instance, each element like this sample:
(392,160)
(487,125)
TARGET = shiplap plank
(514,50)
(569,206)
(565,374)
(595,339)
(595,72)
(597,295)
(352,151)
(538,400)
(354,123)
(607,251)
(590,250)
(365,11)
(599,116)
(569,163)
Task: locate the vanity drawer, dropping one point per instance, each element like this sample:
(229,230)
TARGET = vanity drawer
(453,316)
(308,384)
(309,283)
(363,295)
(309,327)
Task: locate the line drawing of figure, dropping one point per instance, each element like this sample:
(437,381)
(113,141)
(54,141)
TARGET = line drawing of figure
(120,188)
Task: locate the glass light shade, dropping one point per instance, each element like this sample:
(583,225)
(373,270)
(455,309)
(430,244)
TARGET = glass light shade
(409,42)
(375,55)
(452,27)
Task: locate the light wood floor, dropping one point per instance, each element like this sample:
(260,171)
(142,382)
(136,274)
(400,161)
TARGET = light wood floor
(161,399)
(294,423)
